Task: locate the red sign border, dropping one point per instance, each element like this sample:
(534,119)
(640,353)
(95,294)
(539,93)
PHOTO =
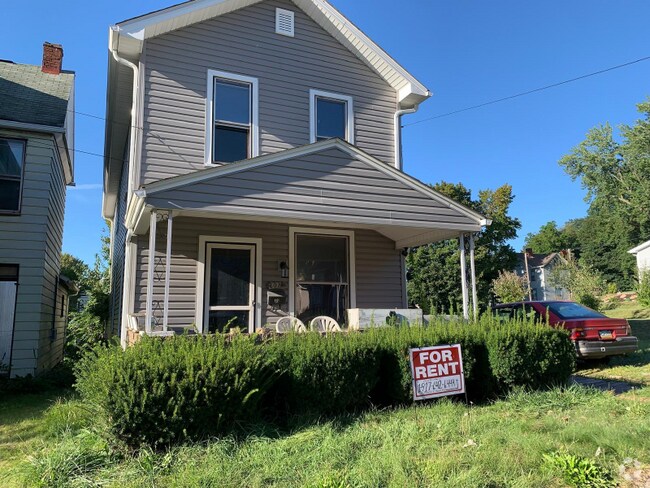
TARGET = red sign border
(438,395)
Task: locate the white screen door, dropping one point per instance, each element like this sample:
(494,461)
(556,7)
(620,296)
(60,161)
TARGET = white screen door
(7,310)
(230,287)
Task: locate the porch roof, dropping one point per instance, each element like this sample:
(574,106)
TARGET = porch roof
(329,183)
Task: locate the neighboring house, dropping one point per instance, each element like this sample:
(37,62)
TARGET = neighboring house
(36,164)
(253,168)
(642,253)
(540,267)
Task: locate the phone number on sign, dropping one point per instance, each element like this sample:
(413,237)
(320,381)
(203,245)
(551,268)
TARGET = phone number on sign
(438,385)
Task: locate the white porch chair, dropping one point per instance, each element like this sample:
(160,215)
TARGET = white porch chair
(323,323)
(288,324)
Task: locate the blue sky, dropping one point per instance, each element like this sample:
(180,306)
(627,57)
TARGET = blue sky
(466,52)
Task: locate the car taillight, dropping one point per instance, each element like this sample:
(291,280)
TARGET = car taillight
(577,333)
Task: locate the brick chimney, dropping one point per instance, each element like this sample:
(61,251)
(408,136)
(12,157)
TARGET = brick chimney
(52,58)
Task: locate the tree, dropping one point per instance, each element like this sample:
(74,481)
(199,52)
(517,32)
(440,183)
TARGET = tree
(550,238)
(616,176)
(508,287)
(585,284)
(434,270)
(87,327)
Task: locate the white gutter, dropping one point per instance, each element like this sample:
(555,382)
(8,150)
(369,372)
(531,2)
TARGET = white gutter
(113,47)
(398,134)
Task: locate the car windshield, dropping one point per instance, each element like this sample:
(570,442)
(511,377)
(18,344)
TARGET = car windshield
(569,310)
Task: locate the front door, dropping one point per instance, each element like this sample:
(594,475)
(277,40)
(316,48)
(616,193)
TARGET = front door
(230,287)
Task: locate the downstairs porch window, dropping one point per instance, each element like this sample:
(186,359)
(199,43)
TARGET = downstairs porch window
(322,276)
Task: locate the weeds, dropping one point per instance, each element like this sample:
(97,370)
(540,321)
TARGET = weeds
(580,472)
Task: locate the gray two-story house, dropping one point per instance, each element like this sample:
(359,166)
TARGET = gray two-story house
(36,164)
(253,168)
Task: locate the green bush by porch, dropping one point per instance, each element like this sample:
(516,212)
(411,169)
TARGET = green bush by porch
(163,391)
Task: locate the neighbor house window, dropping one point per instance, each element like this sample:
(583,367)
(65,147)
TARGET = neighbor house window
(331,115)
(232,118)
(12,158)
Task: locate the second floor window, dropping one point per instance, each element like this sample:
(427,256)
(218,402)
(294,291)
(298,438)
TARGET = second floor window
(12,155)
(332,116)
(232,124)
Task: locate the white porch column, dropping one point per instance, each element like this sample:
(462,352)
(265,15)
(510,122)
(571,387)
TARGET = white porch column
(168,265)
(150,272)
(463,276)
(473,276)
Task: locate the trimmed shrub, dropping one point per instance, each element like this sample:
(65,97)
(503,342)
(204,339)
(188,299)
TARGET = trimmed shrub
(330,374)
(162,391)
(159,392)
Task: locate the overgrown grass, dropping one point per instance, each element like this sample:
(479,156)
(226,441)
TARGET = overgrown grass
(634,368)
(22,429)
(443,443)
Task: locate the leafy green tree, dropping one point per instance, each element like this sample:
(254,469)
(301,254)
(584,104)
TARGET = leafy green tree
(616,176)
(509,287)
(434,270)
(584,283)
(87,327)
(550,238)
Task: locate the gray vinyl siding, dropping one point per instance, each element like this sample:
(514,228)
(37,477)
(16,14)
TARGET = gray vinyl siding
(378,265)
(119,245)
(33,240)
(326,186)
(245,42)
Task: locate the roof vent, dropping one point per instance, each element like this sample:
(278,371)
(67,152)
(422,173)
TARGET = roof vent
(284,22)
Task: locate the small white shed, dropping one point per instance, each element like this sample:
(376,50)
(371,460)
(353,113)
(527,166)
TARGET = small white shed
(642,253)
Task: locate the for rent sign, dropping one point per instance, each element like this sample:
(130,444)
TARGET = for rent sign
(437,371)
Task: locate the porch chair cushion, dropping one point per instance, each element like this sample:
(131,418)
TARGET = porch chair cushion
(288,324)
(323,323)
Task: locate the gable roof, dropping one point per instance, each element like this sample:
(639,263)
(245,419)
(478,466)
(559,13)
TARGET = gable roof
(28,95)
(538,260)
(129,37)
(327,183)
(639,248)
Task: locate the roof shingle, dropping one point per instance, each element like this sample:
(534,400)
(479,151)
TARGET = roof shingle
(30,96)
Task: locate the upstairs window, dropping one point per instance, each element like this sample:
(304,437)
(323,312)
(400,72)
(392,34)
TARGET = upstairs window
(12,158)
(331,115)
(232,122)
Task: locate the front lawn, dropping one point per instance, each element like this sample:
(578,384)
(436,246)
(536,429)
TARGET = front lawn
(22,429)
(440,444)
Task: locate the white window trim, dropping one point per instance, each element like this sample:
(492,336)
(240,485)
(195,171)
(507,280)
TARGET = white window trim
(209,112)
(335,96)
(200,324)
(292,261)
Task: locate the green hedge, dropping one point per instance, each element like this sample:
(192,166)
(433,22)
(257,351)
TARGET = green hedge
(162,391)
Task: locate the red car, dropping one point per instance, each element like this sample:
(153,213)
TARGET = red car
(595,336)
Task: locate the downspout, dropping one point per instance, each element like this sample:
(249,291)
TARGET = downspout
(398,134)
(113,47)
(127,288)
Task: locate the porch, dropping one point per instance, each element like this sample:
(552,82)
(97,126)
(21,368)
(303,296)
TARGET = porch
(302,233)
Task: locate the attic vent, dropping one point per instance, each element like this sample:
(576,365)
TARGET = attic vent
(284,22)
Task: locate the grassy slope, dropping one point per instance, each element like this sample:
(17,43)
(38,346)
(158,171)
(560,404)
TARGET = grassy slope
(425,445)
